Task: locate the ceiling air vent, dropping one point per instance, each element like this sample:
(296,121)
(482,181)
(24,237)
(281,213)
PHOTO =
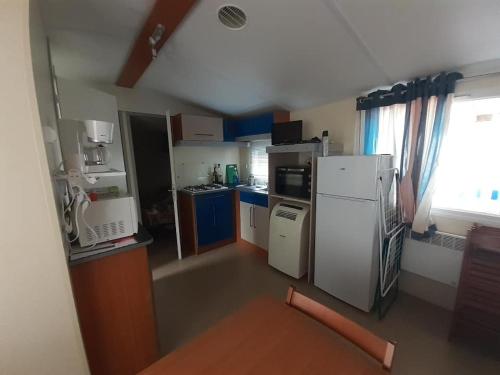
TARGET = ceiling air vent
(232,17)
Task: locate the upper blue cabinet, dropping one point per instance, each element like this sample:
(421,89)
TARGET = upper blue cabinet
(239,129)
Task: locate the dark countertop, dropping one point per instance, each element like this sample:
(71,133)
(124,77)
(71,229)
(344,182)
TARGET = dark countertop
(247,188)
(251,189)
(142,237)
(228,188)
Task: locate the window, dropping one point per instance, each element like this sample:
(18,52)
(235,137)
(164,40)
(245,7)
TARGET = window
(259,160)
(468,178)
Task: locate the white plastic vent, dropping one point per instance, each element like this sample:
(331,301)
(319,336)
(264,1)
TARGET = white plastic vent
(286,214)
(232,17)
(449,241)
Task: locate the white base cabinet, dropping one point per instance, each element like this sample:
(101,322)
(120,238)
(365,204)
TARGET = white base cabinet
(254,219)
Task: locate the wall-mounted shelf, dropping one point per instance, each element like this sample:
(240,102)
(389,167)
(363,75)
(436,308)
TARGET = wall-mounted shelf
(110,173)
(333,148)
(298,154)
(211,144)
(293,199)
(299,147)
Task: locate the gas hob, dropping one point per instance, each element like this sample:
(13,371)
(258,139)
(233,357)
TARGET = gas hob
(200,189)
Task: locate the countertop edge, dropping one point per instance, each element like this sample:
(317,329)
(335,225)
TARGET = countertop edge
(142,237)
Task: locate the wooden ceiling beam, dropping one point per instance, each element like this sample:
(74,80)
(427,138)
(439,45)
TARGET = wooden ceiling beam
(170,14)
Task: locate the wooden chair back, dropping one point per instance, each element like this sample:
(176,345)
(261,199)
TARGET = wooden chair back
(378,348)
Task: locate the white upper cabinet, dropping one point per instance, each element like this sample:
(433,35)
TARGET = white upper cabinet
(197,128)
(80,102)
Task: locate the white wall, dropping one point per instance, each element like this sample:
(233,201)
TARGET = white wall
(337,117)
(39,331)
(193,165)
(150,101)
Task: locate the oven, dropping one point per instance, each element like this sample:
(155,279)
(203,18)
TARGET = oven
(294,181)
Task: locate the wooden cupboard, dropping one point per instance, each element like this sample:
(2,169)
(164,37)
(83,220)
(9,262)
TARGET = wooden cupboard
(207,221)
(114,300)
(477,309)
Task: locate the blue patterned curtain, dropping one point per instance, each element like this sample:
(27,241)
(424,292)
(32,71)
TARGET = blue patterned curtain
(419,151)
(371,131)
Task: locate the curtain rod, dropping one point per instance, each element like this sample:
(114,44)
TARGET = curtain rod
(465,79)
(472,77)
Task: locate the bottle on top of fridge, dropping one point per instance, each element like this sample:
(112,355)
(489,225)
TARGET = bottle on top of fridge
(324,143)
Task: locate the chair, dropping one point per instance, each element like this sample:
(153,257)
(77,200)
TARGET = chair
(381,350)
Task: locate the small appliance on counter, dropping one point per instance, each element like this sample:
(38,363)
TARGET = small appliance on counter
(85,146)
(232,175)
(289,238)
(106,220)
(287,133)
(294,181)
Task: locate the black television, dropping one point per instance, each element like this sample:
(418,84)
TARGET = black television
(287,133)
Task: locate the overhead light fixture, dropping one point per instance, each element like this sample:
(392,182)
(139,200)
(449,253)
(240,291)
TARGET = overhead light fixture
(155,38)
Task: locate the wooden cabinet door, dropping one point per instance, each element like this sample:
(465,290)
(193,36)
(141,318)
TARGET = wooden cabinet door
(261,226)
(246,221)
(202,128)
(114,300)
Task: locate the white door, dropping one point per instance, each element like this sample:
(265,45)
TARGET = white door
(173,189)
(261,226)
(346,258)
(246,222)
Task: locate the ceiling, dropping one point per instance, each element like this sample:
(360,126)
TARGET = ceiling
(292,54)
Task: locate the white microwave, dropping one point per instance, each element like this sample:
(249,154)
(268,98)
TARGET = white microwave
(110,219)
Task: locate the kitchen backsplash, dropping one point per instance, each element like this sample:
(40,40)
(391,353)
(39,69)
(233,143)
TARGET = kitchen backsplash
(194,165)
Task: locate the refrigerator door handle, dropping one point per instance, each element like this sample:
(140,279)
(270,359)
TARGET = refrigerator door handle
(346,198)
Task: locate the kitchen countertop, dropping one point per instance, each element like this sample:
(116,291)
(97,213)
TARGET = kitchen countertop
(142,237)
(252,189)
(228,188)
(246,188)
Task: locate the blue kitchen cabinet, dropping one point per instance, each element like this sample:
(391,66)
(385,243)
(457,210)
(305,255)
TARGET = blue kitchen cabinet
(229,130)
(204,220)
(214,217)
(249,126)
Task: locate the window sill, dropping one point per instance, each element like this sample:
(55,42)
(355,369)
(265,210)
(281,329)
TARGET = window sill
(469,216)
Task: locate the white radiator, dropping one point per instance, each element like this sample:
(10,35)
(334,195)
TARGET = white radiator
(438,258)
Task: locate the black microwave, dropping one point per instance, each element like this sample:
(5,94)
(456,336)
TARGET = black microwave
(294,181)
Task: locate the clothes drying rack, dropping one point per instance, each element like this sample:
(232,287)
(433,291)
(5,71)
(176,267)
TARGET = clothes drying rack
(392,232)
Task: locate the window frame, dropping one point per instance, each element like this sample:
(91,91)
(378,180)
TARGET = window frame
(456,213)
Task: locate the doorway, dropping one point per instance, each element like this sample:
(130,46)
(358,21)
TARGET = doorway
(149,149)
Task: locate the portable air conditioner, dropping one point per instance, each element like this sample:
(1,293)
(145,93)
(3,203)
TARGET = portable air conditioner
(110,219)
(289,238)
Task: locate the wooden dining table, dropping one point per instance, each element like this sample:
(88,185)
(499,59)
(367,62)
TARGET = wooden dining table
(267,336)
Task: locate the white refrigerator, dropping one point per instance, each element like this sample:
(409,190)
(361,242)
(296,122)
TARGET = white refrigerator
(347,240)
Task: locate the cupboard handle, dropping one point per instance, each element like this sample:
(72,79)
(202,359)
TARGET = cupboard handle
(250,216)
(254,225)
(213,210)
(204,134)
